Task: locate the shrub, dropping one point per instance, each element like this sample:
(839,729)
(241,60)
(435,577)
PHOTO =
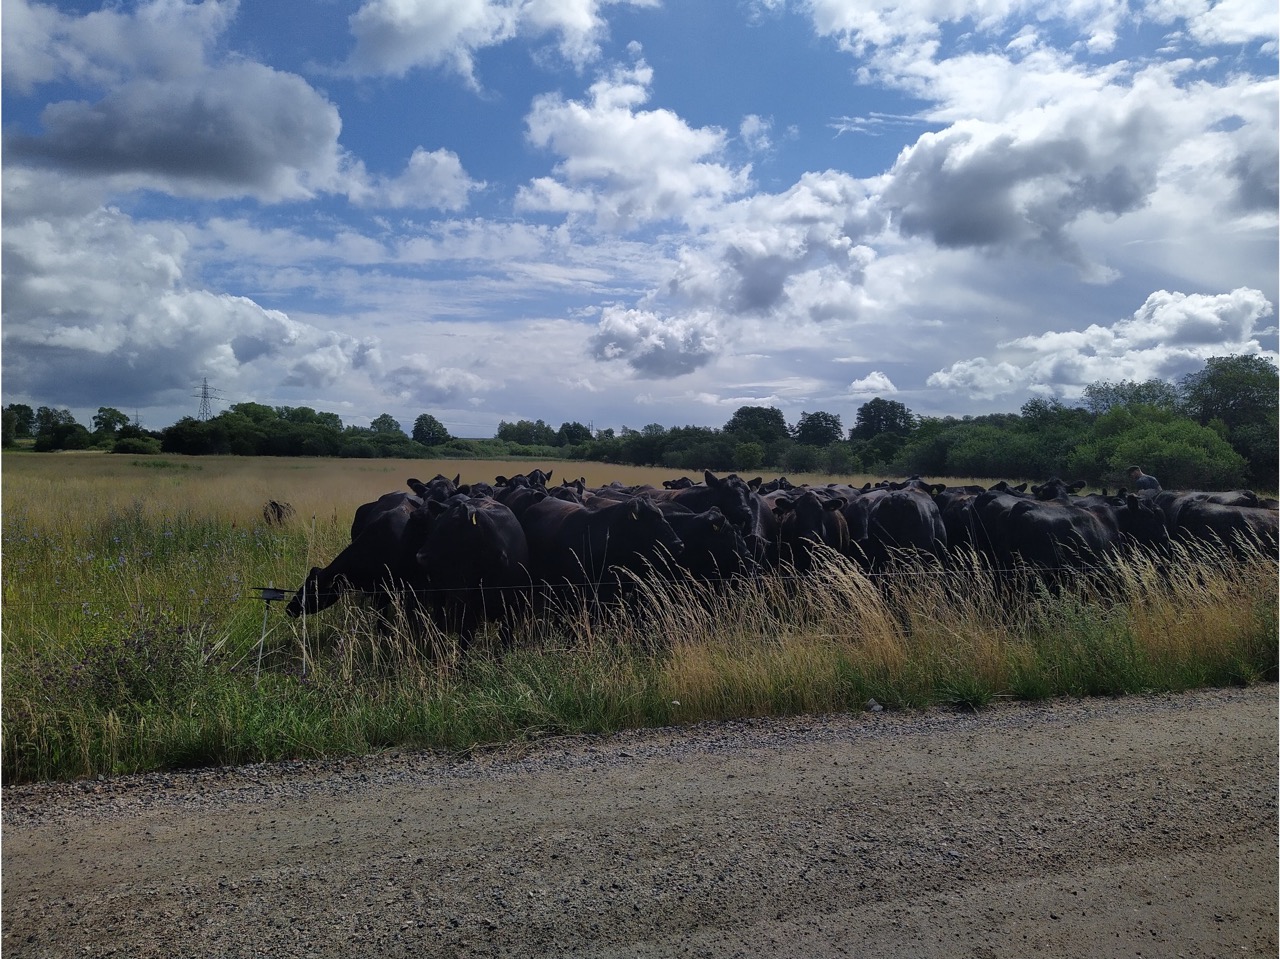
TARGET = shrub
(141,445)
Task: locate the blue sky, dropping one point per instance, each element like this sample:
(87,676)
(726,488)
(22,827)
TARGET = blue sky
(634,211)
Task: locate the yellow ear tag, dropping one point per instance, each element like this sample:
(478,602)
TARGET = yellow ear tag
(473,519)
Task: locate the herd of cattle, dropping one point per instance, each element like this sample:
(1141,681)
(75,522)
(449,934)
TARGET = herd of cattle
(465,554)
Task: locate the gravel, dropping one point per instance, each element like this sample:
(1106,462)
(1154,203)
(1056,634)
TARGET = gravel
(1141,826)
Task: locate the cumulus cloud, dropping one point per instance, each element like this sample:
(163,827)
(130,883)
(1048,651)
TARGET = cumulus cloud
(755,249)
(101,309)
(431,180)
(425,380)
(239,129)
(915,26)
(1234,22)
(654,345)
(395,36)
(173,120)
(1169,335)
(873,384)
(623,165)
(163,39)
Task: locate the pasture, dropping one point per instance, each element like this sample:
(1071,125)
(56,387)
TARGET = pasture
(135,639)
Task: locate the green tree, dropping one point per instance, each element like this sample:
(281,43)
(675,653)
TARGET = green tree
(748,456)
(386,423)
(572,434)
(1103,395)
(879,416)
(818,429)
(1179,452)
(1238,396)
(1238,390)
(758,424)
(47,419)
(254,412)
(24,419)
(109,421)
(527,433)
(306,416)
(64,436)
(429,431)
(8,428)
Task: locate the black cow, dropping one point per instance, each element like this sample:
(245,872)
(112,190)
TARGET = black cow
(989,525)
(1236,527)
(386,503)
(891,522)
(380,561)
(806,521)
(1057,538)
(475,560)
(956,505)
(730,495)
(714,550)
(572,545)
(439,488)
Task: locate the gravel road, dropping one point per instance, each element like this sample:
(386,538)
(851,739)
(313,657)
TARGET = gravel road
(1143,826)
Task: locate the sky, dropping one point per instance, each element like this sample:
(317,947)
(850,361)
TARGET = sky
(626,212)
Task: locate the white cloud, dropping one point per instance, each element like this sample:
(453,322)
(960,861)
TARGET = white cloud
(395,36)
(101,309)
(625,166)
(874,383)
(655,345)
(431,180)
(756,133)
(169,119)
(164,39)
(1169,335)
(1235,22)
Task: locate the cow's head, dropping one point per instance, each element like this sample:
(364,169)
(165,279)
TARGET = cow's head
(317,593)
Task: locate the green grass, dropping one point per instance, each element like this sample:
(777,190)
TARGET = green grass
(133,639)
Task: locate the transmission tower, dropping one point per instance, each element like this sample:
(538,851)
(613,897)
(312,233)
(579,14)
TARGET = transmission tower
(207,395)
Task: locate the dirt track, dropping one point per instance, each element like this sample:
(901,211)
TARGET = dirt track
(1138,827)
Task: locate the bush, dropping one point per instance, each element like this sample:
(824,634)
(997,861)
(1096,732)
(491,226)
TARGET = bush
(138,445)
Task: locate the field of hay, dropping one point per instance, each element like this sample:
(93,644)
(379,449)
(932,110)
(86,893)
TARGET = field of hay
(135,638)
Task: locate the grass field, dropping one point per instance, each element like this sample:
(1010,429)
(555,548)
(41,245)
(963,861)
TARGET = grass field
(133,637)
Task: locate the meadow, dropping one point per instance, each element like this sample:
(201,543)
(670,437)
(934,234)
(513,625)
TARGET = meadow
(135,637)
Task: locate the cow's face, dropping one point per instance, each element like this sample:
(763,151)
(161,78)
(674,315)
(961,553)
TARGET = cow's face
(314,595)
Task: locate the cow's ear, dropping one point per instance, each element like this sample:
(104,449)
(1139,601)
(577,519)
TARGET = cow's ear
(1077,486)
(781,506)
(755,483)
(937,488)
(500,481)
(710,478)
(832,504)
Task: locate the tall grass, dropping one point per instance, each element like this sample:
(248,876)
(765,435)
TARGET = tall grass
(134,640)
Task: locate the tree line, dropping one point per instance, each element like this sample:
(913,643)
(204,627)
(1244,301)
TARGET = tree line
(1214,428)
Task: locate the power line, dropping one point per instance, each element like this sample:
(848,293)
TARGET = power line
(207,396)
